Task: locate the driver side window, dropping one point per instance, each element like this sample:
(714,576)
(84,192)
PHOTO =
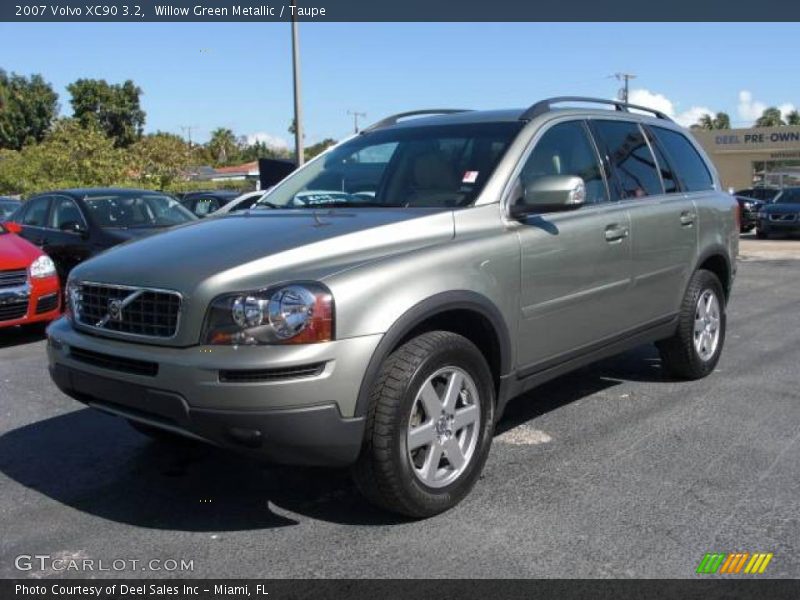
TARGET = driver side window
(65,214)
(566,149)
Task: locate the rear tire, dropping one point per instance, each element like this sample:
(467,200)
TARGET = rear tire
(429,426)
(694,349)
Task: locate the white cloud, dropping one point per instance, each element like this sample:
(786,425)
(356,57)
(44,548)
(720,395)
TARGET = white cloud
(661,103)
(268,139)
(750,109)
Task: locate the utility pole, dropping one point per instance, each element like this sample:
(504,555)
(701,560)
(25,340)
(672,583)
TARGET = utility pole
(624,77)
(356,114)
(298,109)
(187,131)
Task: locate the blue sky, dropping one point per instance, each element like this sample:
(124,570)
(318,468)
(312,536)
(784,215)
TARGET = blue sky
(238,75)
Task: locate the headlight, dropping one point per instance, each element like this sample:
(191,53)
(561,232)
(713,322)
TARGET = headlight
(292,314)
(42,267)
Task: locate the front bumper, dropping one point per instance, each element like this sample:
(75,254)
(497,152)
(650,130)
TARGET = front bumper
(37,301)
(282,416)
(779,225)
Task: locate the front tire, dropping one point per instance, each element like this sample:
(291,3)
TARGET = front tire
(694,349)
(429,426)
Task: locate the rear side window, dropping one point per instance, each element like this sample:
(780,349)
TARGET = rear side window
(668,177)
(630,157)
(690,166)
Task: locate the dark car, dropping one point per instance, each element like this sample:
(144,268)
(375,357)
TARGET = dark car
(203,204)
(782,215)
(765,194)
(748,210)
(7,207)
(73,225)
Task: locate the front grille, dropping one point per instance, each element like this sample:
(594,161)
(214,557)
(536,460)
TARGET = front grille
(46,303)
(115,363)
(13,278)
(255,375)
(783,217)
(13,310)
(143,312)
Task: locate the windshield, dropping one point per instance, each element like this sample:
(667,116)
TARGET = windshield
(433,166)
(790,196)
(130,211)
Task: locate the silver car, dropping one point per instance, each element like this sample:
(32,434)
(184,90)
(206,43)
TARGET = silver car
(380,306)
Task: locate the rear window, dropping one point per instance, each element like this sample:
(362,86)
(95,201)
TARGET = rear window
(691,168)
(631,159)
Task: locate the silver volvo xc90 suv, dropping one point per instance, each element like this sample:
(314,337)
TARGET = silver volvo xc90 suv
(381,305)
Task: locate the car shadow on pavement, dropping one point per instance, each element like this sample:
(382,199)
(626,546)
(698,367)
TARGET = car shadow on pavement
(97,464)
(17,336)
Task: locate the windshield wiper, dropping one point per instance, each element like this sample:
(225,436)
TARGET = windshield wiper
(265,204)
(346,204)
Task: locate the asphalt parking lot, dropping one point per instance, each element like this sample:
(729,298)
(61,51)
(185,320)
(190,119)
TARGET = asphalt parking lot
(612,471)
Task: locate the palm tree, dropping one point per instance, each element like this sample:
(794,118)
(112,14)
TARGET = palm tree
(722,121)
(771,117)
(704,122)
(793,118)
(222,145)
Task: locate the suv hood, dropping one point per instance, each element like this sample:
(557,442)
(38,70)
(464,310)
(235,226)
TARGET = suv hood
(259,248)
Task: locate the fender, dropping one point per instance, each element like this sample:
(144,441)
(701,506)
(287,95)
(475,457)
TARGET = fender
(717,250)
(430,307)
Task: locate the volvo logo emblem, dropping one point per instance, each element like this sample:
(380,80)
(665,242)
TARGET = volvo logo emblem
(115,309)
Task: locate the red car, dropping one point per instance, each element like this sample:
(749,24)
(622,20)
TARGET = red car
(29,287)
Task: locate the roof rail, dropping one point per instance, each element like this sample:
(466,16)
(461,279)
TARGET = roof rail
(544,106)
(393,119)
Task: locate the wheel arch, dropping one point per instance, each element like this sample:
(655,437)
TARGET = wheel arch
(464,312)
(716,260)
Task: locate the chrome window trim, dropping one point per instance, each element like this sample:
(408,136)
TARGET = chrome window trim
(132,288)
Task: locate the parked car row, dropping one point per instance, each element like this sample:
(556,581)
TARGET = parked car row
(63,228)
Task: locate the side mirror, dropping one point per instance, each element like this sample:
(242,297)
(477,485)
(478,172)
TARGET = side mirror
(12,227)
(73,227)
(552,193)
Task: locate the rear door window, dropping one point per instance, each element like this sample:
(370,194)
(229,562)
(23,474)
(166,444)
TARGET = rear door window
(690,166)
(629,157)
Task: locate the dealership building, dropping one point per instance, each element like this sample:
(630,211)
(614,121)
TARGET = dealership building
(768,156)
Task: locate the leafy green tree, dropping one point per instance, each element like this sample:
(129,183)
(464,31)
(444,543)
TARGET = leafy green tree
(771,117)
(793,118)
(251,152)
(114,108)
(223,145)
(70,156)
(27,109)
(318,148)
(160,159)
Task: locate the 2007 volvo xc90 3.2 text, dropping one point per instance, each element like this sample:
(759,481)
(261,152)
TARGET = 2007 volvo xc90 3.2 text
(381,305)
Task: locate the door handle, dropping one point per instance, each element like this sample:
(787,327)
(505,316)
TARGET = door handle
(615,232)
(687,218)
